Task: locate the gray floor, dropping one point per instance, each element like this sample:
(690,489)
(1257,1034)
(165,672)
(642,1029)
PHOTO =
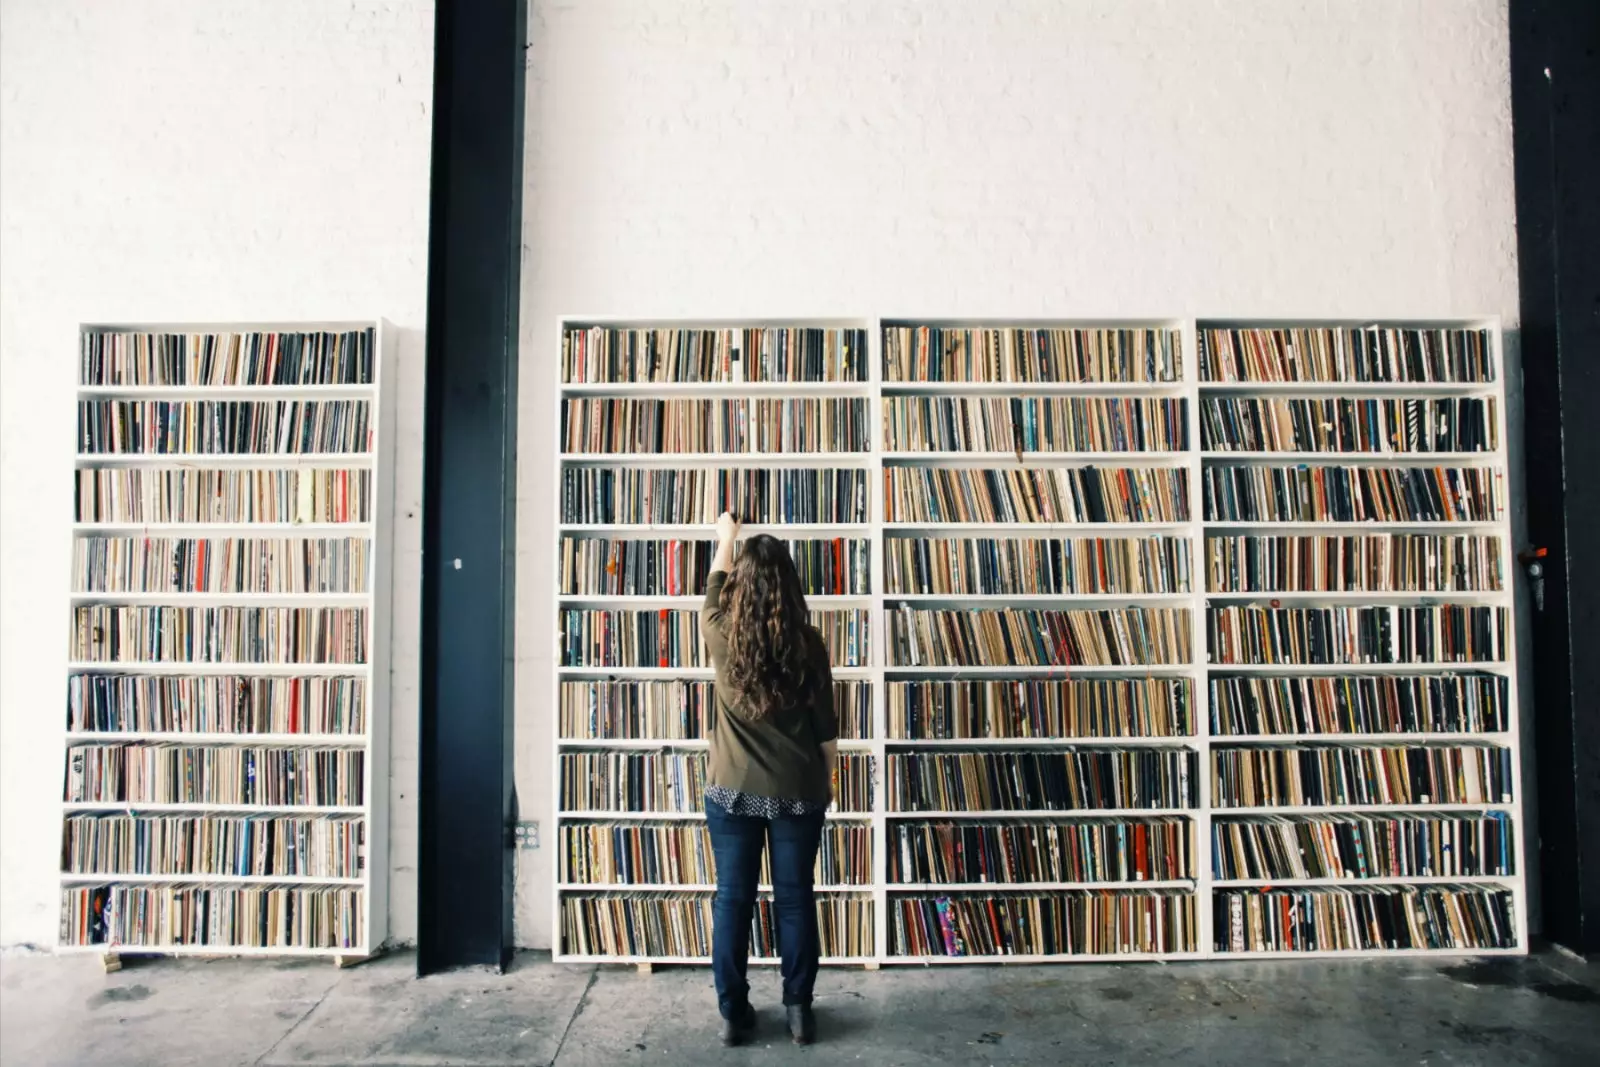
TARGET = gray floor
(1544,1010)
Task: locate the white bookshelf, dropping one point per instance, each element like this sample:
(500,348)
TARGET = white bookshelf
(1202,881)
(369,673)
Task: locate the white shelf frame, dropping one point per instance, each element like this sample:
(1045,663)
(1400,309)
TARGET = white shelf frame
(375,672)
(1194,461)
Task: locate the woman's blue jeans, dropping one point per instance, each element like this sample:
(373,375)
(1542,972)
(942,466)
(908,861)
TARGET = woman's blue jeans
(736,842)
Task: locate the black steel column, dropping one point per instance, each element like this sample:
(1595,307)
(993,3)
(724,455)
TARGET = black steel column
(469,508)
(1555,105)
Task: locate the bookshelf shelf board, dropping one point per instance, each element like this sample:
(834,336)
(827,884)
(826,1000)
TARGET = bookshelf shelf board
(1043,600)
(726,390)
(690,887)
(226,529)
(1043,813)
(580,600)
(1059,957)
(721,459)
(1365,953)
(913,529)
(1043,742)
(1067,670)
(254,669)
(214,950)
(1430,667)
(1346,528)
(910,388)
(700,961)
(845,744)
(141,808)
(299,600)
(177,737)
(1353,809)
(1356,883)
(644,673)
(648,816)
(75,878)
(1352,388)
(1394,459)
(1355,739)
(1375,598)
(1119,458)
(708,531)
(226,392)
(1036,887)
(262,460)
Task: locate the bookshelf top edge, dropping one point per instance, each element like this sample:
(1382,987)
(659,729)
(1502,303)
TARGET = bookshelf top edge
(285,326)
(1482,322)
(754,322)
(1036,323)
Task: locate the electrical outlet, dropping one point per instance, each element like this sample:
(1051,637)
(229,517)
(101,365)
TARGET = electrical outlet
(527,835)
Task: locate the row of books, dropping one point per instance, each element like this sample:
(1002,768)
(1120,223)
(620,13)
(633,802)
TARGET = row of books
(1348,424)
(634,496)
(195,774)
(1348,920)
(676,781)
(978,566)
(671,637)
(210,495)
(223,704)
(1441,633)
(104,633)
(1035,424)
(1086,850)
(1042,924)
(1373,563)
(679,709)
(1381,774)
(759,354)
(270,357)
(1353,494)
(1360,704)
(599,425)
(223,427)
(1040,708)
(679,853)
(678,925)
(1041,780)
(1363,846)
(592,566)
(1062,495)
(170,916)
(1040,638)
(259,846)
(1021,354)
(224,564)
(1342,354)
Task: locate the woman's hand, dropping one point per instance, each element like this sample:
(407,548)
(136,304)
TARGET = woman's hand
(727,528)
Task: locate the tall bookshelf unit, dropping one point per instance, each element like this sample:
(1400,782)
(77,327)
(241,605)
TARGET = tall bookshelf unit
(1057,797)
(227,725)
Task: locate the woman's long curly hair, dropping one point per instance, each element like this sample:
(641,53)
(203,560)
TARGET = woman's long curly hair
(769,632)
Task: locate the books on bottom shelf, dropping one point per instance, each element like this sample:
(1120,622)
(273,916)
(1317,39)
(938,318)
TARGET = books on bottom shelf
(213,916)
(678,926)
(1373,918)
(1042,924)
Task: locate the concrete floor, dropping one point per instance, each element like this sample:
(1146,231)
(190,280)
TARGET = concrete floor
(65,1011)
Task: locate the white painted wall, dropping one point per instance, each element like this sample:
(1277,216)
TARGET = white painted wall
(189,160)
(725,158)
(710,158)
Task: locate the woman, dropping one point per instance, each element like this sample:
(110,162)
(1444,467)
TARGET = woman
(773,748)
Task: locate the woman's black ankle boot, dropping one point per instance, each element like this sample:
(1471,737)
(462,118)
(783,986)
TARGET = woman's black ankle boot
(737,1028)
(802,1024)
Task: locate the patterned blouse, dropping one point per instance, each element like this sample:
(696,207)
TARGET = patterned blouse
(736,803)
